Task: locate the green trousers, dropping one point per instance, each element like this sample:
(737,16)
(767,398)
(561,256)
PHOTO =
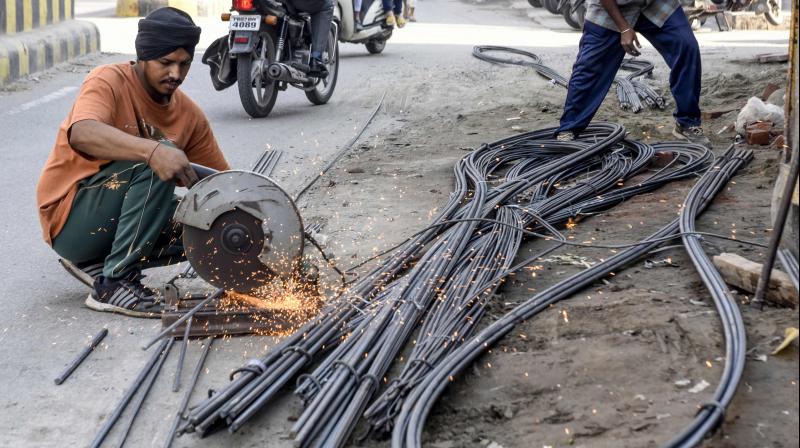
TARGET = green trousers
(122,217)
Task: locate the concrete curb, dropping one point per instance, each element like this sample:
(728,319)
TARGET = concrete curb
(32,51)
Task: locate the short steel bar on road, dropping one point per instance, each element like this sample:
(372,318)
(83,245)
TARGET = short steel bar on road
(83,354)
(101,435)
(184,318)
(177,384)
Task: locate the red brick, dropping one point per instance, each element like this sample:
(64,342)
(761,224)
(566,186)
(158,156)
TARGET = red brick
(757,136)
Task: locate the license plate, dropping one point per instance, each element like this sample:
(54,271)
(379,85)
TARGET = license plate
(245,23)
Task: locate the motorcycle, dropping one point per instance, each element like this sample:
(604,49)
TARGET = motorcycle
(374,32)
(574,12)
(268,49)
(698,11)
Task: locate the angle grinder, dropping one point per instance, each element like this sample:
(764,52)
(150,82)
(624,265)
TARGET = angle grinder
(241,230)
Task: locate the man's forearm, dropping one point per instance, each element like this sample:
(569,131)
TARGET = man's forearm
(105,142)
(612,9)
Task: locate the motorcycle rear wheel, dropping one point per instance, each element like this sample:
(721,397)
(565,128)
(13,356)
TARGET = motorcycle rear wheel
(535,3)
(773,12)
(323,90)
(256,91)
(376,46)
(575,20)
(551,6)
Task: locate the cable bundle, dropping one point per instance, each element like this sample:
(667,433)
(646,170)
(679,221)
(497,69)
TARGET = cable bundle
(632,92)
(439,283)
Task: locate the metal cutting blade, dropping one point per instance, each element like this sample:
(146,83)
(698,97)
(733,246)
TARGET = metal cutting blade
(240,230)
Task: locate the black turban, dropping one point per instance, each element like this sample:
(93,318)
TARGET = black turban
(164,31)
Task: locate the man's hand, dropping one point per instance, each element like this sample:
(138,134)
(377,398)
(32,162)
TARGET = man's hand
(171,164)
(630,43)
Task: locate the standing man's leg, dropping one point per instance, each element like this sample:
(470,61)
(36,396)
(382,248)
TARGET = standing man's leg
(676,43)
(599,57)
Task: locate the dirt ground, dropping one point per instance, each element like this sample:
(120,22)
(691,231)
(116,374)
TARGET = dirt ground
(619,364)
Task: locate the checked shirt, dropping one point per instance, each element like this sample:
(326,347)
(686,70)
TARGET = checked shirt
(657,11)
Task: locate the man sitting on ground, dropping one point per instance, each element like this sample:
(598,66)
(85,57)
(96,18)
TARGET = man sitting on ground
(106,193)
(608,33)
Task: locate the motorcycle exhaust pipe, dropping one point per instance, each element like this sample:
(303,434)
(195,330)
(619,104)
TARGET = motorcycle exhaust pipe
(281,72)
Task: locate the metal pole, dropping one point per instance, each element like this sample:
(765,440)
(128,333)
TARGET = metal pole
(177,384)
(81,356)
(188,394)
(101,435)
(777,231)
(146,391)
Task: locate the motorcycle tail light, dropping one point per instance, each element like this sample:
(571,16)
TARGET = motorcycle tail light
(243,5)
(241,40)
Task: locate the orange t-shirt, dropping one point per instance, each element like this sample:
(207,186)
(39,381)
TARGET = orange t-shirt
(114,95)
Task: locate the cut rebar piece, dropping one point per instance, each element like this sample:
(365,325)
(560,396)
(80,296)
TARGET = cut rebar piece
(112,419)
(176,385)
(82,356)
(143,396)
(188,394)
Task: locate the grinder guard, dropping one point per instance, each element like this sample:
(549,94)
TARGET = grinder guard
(240,230)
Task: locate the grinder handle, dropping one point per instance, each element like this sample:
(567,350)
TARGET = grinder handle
(202,171)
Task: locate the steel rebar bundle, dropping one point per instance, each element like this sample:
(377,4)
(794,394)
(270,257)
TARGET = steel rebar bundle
(632,92)
(440,281)
(410,421)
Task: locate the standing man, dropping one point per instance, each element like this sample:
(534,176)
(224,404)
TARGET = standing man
(608,33)
(105,195)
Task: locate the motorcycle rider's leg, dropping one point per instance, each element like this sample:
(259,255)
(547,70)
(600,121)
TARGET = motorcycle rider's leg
(599,57)
(388,9)
(357,16)
(321,29)
(676,43)
(398,13)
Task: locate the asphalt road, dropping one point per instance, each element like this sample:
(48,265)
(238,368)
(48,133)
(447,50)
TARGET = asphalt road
(43,322)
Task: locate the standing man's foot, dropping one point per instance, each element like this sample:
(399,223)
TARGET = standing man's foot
(693,134)
(390,20)
(85,273)
(125,296)
(565,136)
(401,22)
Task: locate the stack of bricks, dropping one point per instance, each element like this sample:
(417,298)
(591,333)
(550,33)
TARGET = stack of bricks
(762,133)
